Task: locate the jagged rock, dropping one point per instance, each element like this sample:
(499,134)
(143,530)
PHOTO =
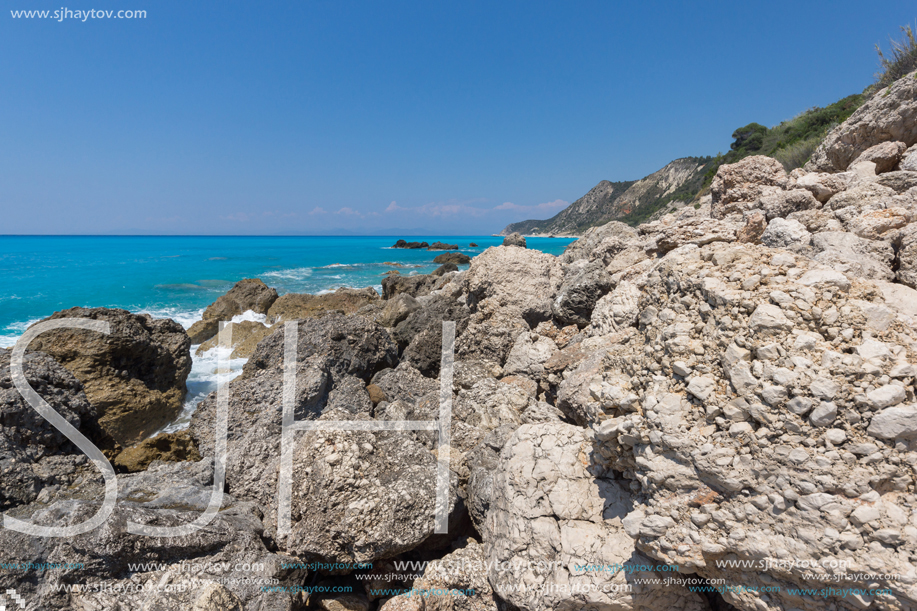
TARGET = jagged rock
(557,506)
(853,255)
(872,225)
(456,582)
(247,294)
(906,243)
(694,231)
(859,199)
(167,447)
(491,333)
(515,277)
(885,155)
(33,454)
(738,185)
(583,286)
(823,186)
(909,160)
(397,309)
(350,394)
(616,310)
(134,376)
(452,257)
(887,116)
(529,354)
(228,550)
(816,221)
(754,228)
(894,422)
(514,239)
(389,510)
(899,181)
(353,345)
(608,239)
(783,233)
(299,306)
(415,286)
(779,204)
(445,268)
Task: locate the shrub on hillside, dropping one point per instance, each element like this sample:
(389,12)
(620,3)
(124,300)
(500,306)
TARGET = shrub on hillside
(901,60)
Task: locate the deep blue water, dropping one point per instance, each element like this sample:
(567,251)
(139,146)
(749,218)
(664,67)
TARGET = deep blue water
(178,276)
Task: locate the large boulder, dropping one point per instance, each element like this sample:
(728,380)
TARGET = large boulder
(737,186)
(583,286)
(779,204)
(888,116)
(134,376)
(299,306)
(555,529)
(247,294)
(416,285)
(515,277)
(885,155)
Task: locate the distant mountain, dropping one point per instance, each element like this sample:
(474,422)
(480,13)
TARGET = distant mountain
(630,201)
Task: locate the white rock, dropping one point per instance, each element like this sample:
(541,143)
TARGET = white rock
(836,436)
(825,277)
(680,369)
(894,422)
(864,514)
(873,349)
(783,233)
(768,318)
(824,414)
(886,396)
(823,388)
(701,387)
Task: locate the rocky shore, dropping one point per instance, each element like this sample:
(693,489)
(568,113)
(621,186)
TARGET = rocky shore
(712,411)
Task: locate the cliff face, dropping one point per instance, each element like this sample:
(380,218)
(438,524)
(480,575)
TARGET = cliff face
(629,200)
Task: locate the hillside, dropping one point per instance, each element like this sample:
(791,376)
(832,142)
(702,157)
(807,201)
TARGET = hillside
(632,201)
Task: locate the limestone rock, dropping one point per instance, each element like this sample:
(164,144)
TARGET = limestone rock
(783,233)
(887,116)
(737,185)
(850,254)
(885,155)
(515,277)
(168,447)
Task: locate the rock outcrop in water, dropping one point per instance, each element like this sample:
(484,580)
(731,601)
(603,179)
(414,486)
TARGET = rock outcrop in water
(247,294)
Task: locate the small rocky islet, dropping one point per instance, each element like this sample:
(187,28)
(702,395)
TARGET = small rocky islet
(729,390)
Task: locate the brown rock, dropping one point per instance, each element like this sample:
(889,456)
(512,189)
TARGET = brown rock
(247,294)
(168,447)
(134,377)
(885,155)
(376,394)
(299,306)
(452,257)
(751,233)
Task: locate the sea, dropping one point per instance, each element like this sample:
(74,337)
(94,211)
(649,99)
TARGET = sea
(177,277)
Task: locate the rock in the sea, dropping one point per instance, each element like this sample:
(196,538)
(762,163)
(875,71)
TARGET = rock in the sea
(442,246)
(452,257)
(514,239)
(411,245)
(445,268)
(888,116)
(299,306)
(247,294)
(134,376)
(473,245)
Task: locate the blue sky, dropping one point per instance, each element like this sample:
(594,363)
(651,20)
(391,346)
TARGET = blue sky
(391,117)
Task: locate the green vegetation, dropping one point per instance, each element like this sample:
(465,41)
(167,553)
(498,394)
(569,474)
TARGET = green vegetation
(655,200)
(901,60)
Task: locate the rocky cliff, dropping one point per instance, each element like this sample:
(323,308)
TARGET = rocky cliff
(629,200)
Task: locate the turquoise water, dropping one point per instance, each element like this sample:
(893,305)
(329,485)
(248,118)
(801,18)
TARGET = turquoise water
(178,276)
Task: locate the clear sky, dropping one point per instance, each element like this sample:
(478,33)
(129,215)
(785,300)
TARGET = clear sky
(391,117)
